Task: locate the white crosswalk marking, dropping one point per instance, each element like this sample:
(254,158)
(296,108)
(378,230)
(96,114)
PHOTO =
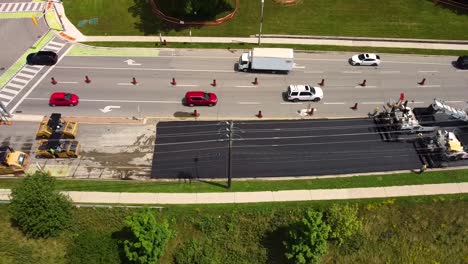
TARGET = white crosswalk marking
(22,7)
(22,78)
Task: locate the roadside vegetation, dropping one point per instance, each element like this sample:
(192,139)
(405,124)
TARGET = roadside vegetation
(246,46)
(407,230)
(254,185)
(394,19)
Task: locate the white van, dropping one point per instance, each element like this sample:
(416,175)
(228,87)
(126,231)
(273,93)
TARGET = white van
(298,93)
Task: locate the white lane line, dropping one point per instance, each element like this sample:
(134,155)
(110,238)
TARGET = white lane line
(372,103)
(337,103)
(427,71)
(249,103)
(128,84)
(461,70)
(454,102)
(416,102)
(285,103)
(428,86)
(187,85)
(367,86)
(313,71)
(6,96)
(390,72)
(246,86)
(140,69)
(67,82)
(351,72)
(112,101)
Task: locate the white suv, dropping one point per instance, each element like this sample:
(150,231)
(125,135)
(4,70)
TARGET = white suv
(298,93)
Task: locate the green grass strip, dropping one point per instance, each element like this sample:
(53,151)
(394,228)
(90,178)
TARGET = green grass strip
(20,15)
(83,50)
(257,185)
(52,20)
(4,78)
(310,48)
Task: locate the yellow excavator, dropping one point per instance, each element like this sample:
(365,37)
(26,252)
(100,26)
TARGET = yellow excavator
(12,162)
(57,147)
(55,123)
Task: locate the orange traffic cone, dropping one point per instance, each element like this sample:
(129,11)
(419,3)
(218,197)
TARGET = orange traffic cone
(87,80)
(173,82)
(259,115)
(363,83)
(255,82)
(134,82)
(213,83)
(422,82)
(53,81)
(195,113)
(322,82)
(354,107)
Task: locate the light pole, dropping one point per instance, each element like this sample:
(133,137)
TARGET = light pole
(261,23)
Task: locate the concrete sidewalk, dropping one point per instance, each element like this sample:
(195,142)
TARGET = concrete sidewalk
(71,31)
(258,197)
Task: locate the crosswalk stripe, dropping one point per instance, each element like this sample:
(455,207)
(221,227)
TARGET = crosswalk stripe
(18,80)
(38,6)
(60,44)
(21,74)
(21,6)
(28,5)
(13,92)
(15,85)
(6,96)
(34,72)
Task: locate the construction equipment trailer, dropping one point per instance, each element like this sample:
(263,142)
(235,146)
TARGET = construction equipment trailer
(12,162)
(56,123)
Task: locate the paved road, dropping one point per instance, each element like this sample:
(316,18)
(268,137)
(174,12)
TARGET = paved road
(195,70)
(276,148)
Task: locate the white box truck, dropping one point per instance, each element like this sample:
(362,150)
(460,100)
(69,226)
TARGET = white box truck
(267,59)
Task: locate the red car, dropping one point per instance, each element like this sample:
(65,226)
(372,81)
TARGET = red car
(63,99)
(200,98)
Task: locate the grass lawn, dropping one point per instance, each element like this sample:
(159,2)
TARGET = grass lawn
(258,185)
(429,229)
(308,48)
(363,18)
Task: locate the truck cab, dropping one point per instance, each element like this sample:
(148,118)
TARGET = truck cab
(244,61)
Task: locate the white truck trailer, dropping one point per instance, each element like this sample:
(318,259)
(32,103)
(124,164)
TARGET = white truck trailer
(267,59)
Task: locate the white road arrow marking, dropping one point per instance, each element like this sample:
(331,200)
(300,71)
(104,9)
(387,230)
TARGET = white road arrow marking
(109,108)
(132,62)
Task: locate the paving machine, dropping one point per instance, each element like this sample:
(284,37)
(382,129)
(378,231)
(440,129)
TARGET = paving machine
(398,120)
(55,123)
(440,148)
(57,147)
(439,106)
(12,162)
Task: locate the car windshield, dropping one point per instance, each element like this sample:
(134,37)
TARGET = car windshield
(68,96)
(361,56)
(206,96)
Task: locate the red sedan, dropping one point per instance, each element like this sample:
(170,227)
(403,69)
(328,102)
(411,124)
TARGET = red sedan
(63,99)
(200,98)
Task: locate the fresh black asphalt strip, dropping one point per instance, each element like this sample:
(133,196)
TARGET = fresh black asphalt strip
(198,149)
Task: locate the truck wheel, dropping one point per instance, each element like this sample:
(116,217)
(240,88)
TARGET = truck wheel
(191,105)
(244,70)
(357,64)
(296,100)
(210,105)
(375,64)
(316,100)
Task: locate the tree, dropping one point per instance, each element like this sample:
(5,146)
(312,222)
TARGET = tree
(37,208)
(148,239)
(308,239)
(344,222)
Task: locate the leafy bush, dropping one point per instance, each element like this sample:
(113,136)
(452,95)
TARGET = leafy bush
(193,252)
(344,222)
(148,239)
(37,208)
(308,239)
(93,247)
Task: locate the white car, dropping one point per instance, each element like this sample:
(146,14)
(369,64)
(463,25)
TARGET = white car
(298,93)
(366,59)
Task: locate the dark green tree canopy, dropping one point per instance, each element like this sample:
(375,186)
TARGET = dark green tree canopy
(37,208)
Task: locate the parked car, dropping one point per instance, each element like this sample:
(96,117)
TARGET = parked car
(462,62)
(366,59)
(298,93)
(63,99)
(200,99)
(42,58)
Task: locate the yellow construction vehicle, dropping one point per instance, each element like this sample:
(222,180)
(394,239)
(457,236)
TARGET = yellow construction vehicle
(12,162)
(57,147)
(57,124)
